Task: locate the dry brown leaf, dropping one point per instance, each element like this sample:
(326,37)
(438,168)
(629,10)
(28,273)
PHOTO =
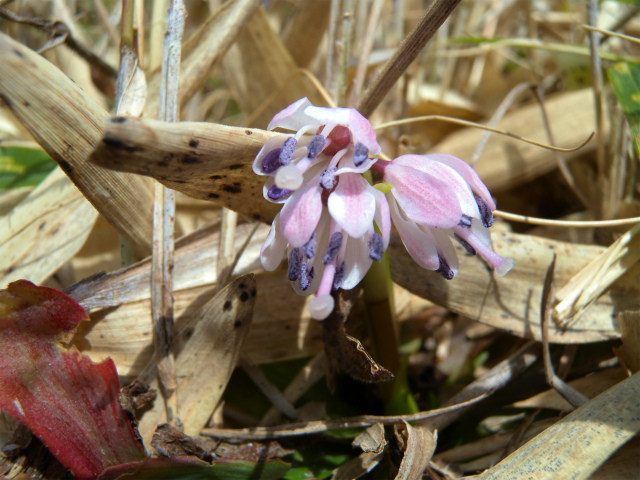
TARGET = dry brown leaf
(371,440)
(418,444)
(357,467)
(512,303)
(506,163)
(589,386)
(207,348)
(44,230)
(629,351)
(304,33)
(203,160)
(623,465)
(577,445)
(68,124)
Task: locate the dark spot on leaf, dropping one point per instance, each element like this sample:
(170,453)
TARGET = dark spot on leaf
(188,333)
(18,53)
(256,216)
(231,189)
(162,163)
(65,166)
(26,104)
(214,195)
(6,100)
(248,132)
(244,296)
(187,159)
(242,286)
(215,177)
(119,119)
(253,292)
(236,184)
(42,225)
(119,144)
(227,306)
(194,142)
(236,166)
(10,269)
(237,324)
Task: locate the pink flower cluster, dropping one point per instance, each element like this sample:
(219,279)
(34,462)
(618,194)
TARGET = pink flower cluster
(333,223)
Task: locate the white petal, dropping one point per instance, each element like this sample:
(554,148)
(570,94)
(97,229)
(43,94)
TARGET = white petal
(273,247)
(382,217)
(356,258)
(446,249)
(292,117)
(421,245)
(352,205)
(328,116)
(301,213)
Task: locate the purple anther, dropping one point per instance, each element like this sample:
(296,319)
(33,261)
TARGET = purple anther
(286,152)
(315,146)
(334,246)
(375,247)
(338,278)
(271,162)
(328,178)
(305,281)
(444,269)
(295,264)
(485,213)
(465,221)
(360,154)
(309,248)
(470,250)
(276,193)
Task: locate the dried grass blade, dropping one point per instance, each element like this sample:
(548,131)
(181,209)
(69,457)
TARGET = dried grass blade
(44,230)
(202,51)
(203,160)
(419,445)
(579,443)
(208,348)
(587,285)
(306,30)
(68,124)
(512,303)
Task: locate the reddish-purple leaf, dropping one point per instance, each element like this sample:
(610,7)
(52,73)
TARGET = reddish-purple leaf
(66,400)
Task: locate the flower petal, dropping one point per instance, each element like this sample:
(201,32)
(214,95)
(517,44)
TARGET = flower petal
(382,219)
(363,132)
(327,116)
(447,174)
(446,249)
(273,247)
(353,205)
(468,173)
(301,213)
(292,117)
(426,200)
(270,145)
(356,258)
(420,244)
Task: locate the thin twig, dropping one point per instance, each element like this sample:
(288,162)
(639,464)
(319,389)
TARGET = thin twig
(438,12)
(609,33)
(59,30)
(570,394)
(319,426)
(566,223)
(482,127)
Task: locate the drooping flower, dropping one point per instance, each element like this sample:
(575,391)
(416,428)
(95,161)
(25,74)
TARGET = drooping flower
(432,200)
(326,225)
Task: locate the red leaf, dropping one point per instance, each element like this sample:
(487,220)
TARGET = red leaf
(66,400)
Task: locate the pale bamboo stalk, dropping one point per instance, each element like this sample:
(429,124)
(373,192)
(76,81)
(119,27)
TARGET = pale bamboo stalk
(164,216)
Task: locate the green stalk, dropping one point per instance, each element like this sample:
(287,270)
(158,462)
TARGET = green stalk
(378,297)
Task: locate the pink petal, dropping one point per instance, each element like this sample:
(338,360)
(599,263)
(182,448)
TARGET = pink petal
(273,247)
(353,205)
(292,117)
(363,132)
(382,218)
(301,213)
(357,261)
(446,174)
(420,244)
(468,173)
(426,200)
